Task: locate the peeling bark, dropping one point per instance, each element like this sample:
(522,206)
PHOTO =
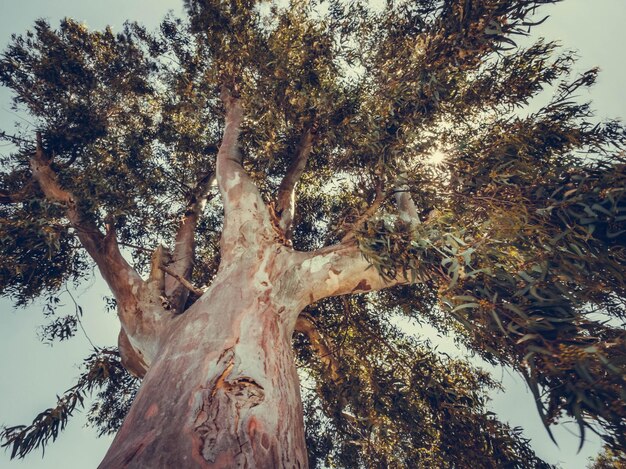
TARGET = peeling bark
(221,388)
(341,270)
(247,221)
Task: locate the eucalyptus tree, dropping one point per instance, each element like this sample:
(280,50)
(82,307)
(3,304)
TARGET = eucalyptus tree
(268,187)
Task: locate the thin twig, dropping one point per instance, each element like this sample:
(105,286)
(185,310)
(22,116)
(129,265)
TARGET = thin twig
(184,282)
(134,246)
(14,138)
(378,200)
(77,313)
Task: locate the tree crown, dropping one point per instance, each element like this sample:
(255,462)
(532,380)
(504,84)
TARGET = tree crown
(514,241)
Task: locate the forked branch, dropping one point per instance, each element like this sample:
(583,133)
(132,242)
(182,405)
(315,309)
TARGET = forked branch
(404,202)
(306,325)
(182,259)
(371,210)
(342,269)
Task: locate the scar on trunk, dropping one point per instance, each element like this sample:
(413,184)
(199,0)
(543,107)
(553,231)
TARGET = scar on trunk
(152,411)
(225,403)
(137,449)
(362,286)
(129,457)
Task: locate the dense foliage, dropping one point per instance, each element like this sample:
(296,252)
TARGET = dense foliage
(520,253)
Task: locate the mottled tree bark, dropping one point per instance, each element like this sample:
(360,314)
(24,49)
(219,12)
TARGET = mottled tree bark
(223,391)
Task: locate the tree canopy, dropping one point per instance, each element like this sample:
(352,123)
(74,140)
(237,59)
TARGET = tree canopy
(463,166)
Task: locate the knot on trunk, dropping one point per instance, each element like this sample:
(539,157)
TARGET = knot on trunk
(224,416)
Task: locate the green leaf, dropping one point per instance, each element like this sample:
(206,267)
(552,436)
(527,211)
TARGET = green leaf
(465,306)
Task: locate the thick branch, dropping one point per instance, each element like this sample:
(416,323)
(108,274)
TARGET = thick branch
(245,215)
(160,257)
(341,270)
(229,158)
(286,200)
(184,249)
(103,248)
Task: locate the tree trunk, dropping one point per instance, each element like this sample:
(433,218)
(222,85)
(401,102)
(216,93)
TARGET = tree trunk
(223,391)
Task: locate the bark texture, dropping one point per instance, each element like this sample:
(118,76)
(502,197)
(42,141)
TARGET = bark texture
(223,391)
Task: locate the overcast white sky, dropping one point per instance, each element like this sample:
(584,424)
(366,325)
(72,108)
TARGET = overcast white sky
(32,373)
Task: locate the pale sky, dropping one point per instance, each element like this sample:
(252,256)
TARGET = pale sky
(32,373)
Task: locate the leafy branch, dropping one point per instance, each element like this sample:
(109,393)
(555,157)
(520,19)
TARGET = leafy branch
(103,368)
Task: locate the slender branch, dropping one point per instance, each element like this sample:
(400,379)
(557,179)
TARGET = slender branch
(135,246)
(184,249)
(14,138)
(7,198)
(71,161)
(364,327)
(286,199)
(305,324)
(371,210)
(404,201)
(78,312)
